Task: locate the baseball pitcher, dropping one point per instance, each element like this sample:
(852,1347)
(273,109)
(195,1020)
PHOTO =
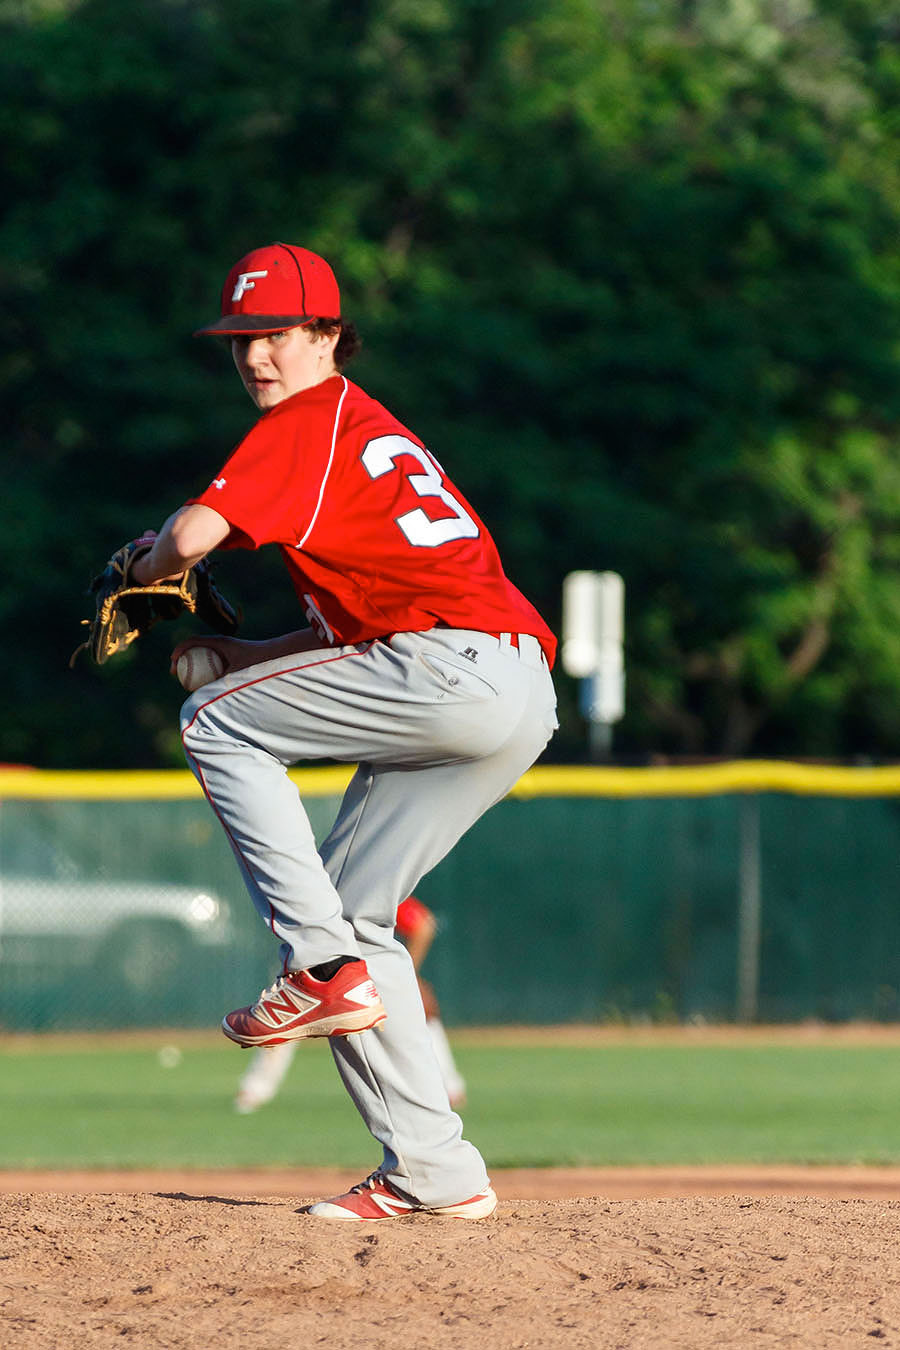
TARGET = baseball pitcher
(419,662)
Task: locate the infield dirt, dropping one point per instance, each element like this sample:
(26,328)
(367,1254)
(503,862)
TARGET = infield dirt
(637,1260)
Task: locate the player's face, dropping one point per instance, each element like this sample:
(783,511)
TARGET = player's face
(273,366)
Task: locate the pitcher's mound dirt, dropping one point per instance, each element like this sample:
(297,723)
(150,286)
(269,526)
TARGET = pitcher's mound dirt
(199,1260)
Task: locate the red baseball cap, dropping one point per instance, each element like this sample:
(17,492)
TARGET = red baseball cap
(275,287)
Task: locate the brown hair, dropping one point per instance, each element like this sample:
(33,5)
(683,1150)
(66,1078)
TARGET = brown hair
(348,343)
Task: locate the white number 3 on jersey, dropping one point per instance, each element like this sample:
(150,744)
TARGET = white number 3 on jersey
(379,457)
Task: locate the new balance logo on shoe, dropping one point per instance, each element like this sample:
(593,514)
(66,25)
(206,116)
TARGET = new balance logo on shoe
(288,1002)
(364,994)
(392,1206)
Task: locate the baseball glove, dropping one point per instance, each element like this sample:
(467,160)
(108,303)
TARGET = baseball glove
(125,610)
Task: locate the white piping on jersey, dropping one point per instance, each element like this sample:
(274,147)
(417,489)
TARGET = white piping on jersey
(337,418)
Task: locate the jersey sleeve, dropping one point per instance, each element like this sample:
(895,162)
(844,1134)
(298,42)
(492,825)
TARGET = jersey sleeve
(267,490)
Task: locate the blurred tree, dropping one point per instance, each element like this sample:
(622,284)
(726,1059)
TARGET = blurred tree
(630,268)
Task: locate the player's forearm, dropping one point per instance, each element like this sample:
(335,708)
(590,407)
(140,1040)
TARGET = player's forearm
(240,653)
(187,536)
(419,941)
(289,644)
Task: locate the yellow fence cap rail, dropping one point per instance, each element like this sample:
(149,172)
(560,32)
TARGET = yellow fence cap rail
(706,780)
(141,784)
(696,780)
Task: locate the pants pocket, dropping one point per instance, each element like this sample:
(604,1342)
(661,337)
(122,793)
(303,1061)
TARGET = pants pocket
(457,677)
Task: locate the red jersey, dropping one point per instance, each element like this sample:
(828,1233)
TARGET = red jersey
(376,538)
(411,914)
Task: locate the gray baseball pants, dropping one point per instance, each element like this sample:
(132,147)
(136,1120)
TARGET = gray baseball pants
(440,724)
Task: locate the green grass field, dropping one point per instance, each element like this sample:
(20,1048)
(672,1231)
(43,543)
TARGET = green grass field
(539,1105)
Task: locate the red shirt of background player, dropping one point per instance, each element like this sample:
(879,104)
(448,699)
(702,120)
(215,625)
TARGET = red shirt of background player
(411,915)
(376,539)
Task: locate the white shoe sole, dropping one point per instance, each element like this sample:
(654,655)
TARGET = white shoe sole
(480,1207)
(342,1024)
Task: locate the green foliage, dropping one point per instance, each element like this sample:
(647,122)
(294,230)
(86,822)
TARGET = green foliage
(630,269)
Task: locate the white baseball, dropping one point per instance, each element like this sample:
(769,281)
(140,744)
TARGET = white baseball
(197,666)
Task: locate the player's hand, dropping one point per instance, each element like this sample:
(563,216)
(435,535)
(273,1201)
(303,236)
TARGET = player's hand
(237,653)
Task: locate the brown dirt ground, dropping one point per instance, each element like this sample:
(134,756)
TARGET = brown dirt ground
(192,1260)
(604,1259)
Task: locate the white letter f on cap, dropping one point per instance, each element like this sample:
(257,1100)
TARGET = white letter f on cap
(245,283)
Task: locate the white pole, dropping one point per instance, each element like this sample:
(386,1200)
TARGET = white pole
(592,651)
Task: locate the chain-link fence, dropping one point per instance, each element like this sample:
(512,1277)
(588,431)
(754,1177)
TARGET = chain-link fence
(585,895)
(126,913)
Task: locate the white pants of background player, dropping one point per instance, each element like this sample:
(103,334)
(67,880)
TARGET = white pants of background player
(440,724)
(268,1068)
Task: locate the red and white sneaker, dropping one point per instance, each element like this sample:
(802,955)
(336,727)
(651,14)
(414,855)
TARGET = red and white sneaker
(298,1005)
(375,1199)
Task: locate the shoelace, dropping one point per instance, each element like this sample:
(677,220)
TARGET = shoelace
(272,990)
(375,1179)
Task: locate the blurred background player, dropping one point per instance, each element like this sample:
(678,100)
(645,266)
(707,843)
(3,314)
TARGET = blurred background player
(417,926)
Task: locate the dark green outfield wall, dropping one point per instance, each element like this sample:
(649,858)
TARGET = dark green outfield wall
(569,909)
(767,906)
(562,910)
